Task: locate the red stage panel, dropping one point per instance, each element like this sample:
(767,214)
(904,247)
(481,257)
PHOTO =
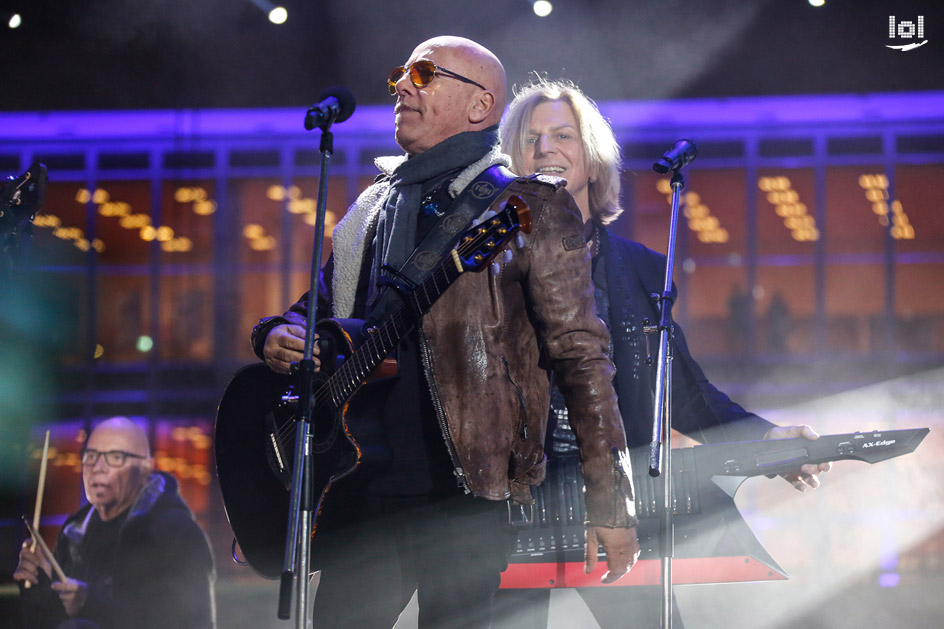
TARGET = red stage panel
(685,571)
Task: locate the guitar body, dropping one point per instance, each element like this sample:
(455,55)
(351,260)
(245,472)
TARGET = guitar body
(256,427)
(255,437)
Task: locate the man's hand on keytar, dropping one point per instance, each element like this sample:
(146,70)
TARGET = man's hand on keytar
(806,476)
(620,545)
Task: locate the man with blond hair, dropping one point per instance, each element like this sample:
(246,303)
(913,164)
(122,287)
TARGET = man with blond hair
(552,127)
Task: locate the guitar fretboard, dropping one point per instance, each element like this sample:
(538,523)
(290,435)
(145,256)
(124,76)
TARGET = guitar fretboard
(475,249)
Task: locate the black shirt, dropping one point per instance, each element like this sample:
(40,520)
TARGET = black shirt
(417,460)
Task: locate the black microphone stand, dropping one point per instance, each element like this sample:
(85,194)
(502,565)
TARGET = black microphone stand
(660,455)
(298,539)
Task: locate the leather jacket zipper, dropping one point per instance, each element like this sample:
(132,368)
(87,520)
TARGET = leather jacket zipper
(457,470)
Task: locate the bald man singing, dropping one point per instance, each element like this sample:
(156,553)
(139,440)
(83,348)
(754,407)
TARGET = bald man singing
(134,556)
(459,434)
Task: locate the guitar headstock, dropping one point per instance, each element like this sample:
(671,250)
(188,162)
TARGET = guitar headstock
(482,242)
(21,198)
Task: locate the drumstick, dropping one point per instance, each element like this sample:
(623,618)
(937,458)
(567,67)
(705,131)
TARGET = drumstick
(39,493)
(37,538)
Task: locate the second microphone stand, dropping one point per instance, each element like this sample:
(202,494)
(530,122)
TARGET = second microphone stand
(660,455)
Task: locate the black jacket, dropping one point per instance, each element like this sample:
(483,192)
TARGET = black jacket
(699,410)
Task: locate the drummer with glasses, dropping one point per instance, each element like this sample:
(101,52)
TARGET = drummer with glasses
(134,556)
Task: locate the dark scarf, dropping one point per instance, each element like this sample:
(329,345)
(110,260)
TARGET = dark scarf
(397,222)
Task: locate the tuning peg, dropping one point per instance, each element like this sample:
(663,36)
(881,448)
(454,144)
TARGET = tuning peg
(487,214)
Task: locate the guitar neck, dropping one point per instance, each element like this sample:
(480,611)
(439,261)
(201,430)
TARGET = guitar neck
(385,337)
(476,248)
(776,456)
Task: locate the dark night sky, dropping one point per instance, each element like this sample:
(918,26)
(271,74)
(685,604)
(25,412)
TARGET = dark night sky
(159,54)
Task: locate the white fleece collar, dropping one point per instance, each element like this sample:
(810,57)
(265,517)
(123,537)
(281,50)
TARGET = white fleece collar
(353,233)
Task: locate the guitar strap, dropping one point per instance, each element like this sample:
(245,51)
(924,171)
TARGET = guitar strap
(470,204)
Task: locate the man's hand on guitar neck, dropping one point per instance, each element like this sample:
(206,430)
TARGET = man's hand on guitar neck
(285,345)
(806,476)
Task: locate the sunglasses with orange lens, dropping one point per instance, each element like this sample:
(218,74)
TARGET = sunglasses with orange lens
(422,73)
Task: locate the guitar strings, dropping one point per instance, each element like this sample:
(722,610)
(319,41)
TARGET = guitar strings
(351,371)
(332,387)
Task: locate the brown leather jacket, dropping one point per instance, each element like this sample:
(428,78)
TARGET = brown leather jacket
(488,344)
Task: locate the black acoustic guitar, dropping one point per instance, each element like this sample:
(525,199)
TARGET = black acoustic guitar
(255,424)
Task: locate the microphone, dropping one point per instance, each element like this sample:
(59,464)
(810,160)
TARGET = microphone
(337,105)
(682,154)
